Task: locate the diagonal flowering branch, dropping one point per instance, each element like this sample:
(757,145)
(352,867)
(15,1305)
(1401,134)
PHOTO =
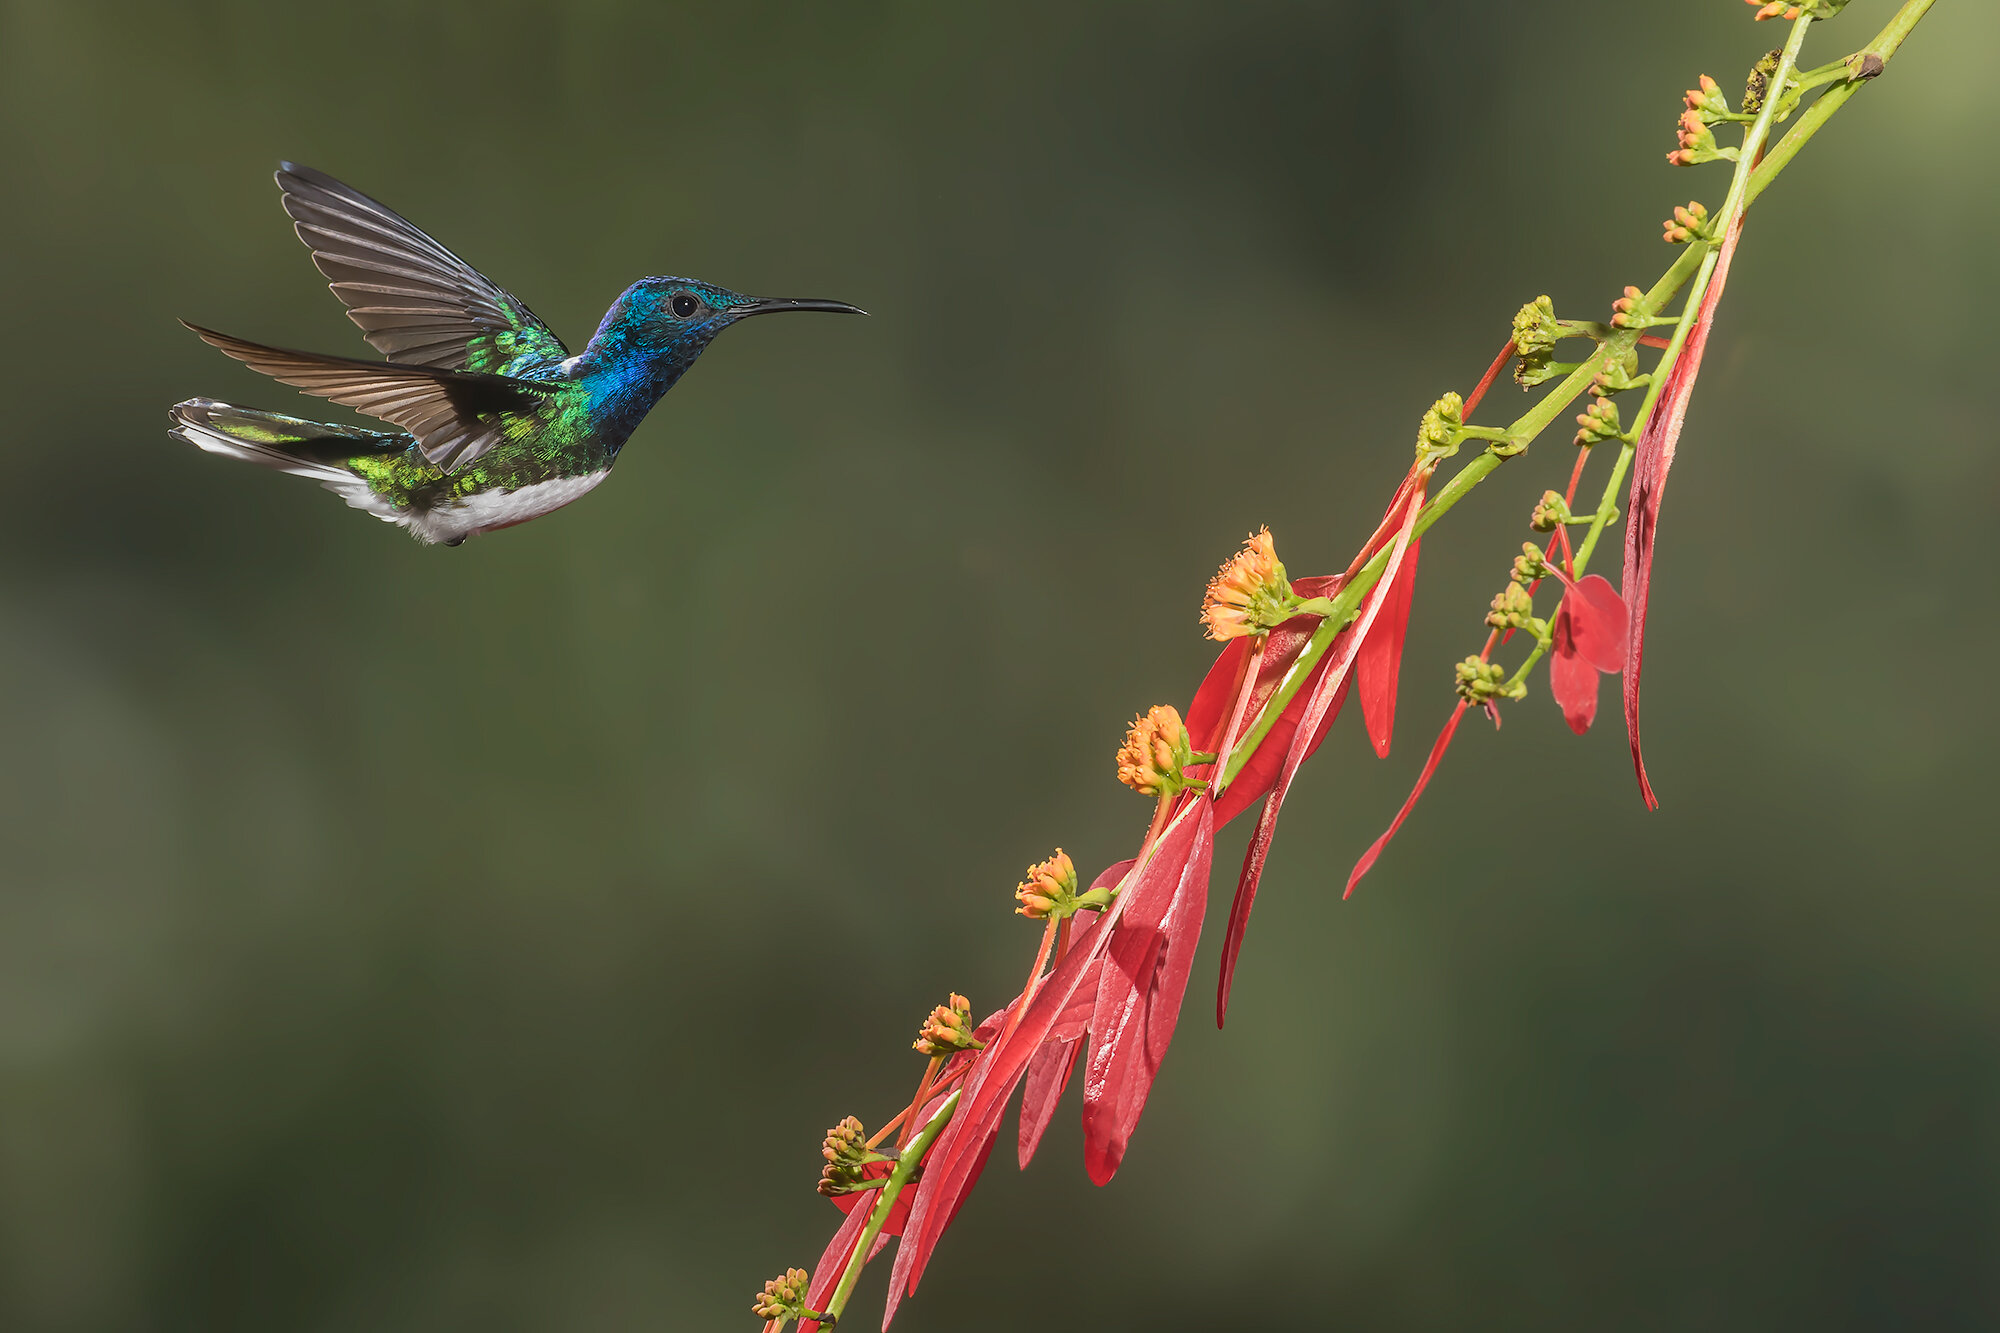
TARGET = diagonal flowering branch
(1112,963)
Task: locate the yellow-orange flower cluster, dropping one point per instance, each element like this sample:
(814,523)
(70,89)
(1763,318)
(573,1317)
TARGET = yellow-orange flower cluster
(948,1029)
(783,1296)
(1050,885)
(1155,752)
(1249,594)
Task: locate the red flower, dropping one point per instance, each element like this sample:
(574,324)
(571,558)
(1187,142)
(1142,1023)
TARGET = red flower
(1158,898)
(1589,637)
(1650,465)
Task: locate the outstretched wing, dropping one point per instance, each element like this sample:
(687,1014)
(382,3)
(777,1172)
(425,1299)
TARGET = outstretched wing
(417,303)
(456,415)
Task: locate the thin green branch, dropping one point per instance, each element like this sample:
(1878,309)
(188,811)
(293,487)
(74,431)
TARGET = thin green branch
(906,1167)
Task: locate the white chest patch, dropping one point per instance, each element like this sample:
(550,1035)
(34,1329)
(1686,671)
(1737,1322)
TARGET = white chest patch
(499,509)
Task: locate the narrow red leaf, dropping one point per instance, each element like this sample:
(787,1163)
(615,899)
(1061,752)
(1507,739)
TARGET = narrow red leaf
(1325,695)
(1050,1067)
(1650,465)
(1572,681)
(1374,852)
(1380,660)
(1041,1092)
(1139,992)
(949,1171)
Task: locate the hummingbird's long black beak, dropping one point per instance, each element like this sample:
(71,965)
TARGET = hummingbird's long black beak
(778,305)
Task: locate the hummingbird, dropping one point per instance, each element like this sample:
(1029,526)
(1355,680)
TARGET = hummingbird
(496,422)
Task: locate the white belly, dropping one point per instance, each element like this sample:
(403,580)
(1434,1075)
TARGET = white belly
(499,509)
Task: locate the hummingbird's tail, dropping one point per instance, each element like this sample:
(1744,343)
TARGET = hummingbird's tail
(290,444)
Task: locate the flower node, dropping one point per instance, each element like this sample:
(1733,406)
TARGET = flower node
(1513,608)
(1481,681)
(1154,758)
(949,1028)
(1531,565)
(1628,311)
(1535,336)
(1249,594)
(1551,512)
(847,1154)
(1597,422)
(1441,423)
(1049,890)
(1687,224)
(1776,9)
(783,1297)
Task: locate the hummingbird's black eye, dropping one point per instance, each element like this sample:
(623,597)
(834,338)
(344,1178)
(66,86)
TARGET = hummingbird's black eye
(684,305)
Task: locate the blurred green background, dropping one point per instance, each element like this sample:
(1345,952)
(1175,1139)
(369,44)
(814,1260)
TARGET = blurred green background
(405,939)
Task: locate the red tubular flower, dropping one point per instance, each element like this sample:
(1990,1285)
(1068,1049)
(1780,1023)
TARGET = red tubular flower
(1655,456)
(1589,637)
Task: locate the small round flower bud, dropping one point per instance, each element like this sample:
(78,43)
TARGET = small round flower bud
(949,1028)
(1687,224)
(1156,753)
(1529,566)
(1250,593)
(1480,682)
(1551,512)
(783,1296)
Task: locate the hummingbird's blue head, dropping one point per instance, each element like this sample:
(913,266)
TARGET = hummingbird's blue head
(675,318)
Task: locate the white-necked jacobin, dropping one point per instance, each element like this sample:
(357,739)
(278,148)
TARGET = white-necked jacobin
(499,423)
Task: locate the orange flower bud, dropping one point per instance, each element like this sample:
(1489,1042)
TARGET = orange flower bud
(949,1028)
(1155,752)
(1050,885)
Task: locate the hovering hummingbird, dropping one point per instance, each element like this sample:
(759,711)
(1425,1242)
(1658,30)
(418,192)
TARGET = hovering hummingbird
(498,422)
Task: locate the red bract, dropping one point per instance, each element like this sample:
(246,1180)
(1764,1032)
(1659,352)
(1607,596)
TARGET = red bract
(1328,688)
(1655,456)
(1589,636)
(1181,854)
(1380,659)
(1438,747)
(1139,990)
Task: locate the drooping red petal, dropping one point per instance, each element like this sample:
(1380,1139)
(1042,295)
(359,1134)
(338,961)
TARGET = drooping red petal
(1650,465)
(1374,852)
(1380,660)
(1139,992)
(1572,681)
(949,1171)
(1326,693)
(1049,1068)
(1597,623)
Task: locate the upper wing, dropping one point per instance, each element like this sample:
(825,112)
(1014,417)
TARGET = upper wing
(456,415)
(417,303)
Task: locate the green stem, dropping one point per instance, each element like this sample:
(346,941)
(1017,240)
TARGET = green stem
(906,1167)
(1885,44)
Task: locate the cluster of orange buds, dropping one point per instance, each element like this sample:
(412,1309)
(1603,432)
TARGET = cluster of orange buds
(1049,890)
(1776,9)
(948,1029)
(847,1154)
(1687,224)
(1154,759)
(1597,422)
(783,1297)
(1250,593)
